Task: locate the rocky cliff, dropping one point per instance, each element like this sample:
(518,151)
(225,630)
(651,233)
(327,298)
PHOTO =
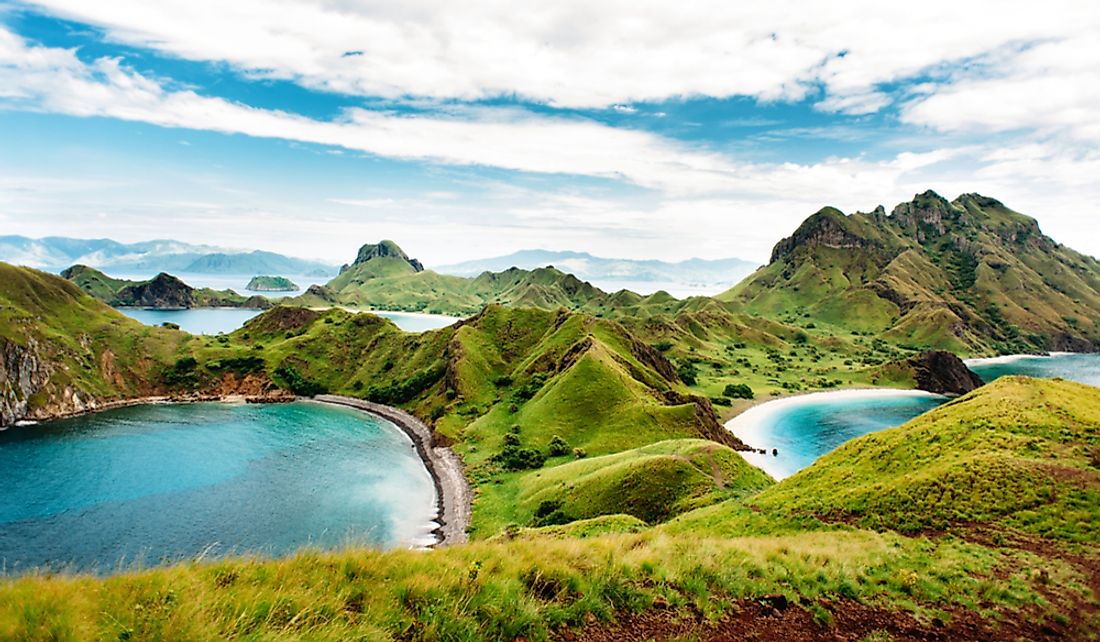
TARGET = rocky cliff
(943,373)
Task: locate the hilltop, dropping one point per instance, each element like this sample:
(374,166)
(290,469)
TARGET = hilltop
(162,291)
(970,275)
(1018,455)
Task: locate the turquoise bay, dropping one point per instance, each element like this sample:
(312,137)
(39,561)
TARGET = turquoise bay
(164,482)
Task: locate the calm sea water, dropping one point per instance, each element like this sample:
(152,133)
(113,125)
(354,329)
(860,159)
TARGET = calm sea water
(174,481)
(803,428)
(215,320)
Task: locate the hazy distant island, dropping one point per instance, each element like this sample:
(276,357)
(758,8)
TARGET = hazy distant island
(263,283)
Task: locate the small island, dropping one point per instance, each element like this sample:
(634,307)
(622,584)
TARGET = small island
(271,284)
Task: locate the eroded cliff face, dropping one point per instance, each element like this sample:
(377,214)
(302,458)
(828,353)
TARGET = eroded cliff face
(27,390)
(22,374)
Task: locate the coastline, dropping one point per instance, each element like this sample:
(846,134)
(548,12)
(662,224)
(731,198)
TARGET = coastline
(1010,358)
(453,494)
(94,407)
(749,424)
(749,419)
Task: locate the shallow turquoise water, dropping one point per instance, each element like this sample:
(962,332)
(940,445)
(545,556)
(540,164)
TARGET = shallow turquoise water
(173,481)
(215,320)
(1075,367)
(195,321)
(801,429)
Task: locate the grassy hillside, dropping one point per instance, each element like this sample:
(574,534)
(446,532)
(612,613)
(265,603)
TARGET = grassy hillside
(1018,454)
(968,276)
(831,552)
(62,350)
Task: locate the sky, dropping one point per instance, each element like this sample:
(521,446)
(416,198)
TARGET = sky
(475,129)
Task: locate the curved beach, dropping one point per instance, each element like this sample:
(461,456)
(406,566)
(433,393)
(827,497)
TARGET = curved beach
(453,495)
(756,426)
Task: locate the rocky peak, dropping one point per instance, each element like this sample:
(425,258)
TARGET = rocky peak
(162,291)
(384,249)
(827,228)
(926,217)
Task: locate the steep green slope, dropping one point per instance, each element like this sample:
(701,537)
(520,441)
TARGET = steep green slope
(162,291)
(1020,454)
(970,275)
(652,483)
(63,351)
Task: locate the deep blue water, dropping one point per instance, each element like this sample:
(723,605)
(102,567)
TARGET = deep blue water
(803,428)
(215,320)
(175,481)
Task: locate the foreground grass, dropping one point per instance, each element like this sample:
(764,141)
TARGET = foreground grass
(525,587)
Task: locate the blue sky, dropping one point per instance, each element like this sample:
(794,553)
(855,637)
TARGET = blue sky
(622,129)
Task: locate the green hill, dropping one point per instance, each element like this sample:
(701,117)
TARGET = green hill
(264,283)
(162,291)
(63,351)
(968,276)
(1017,454)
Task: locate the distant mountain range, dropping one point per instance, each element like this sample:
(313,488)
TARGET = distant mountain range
(594,268)
(54,253)
(383,277)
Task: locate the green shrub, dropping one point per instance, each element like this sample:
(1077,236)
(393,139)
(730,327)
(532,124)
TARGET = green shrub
(687,372)
(550,513)
(557,447)
(297,383)
(513,457)
(400,392)
(532,387)
(738,391)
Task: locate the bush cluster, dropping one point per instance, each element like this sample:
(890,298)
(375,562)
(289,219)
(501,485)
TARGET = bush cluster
(738,391)
(297,383)
(400,392)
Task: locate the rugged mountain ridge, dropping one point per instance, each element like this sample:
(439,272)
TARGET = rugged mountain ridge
(968,275)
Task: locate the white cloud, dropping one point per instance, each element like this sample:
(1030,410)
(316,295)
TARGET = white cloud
(698,202)
(582,52)
(55,80)
(1049,88)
